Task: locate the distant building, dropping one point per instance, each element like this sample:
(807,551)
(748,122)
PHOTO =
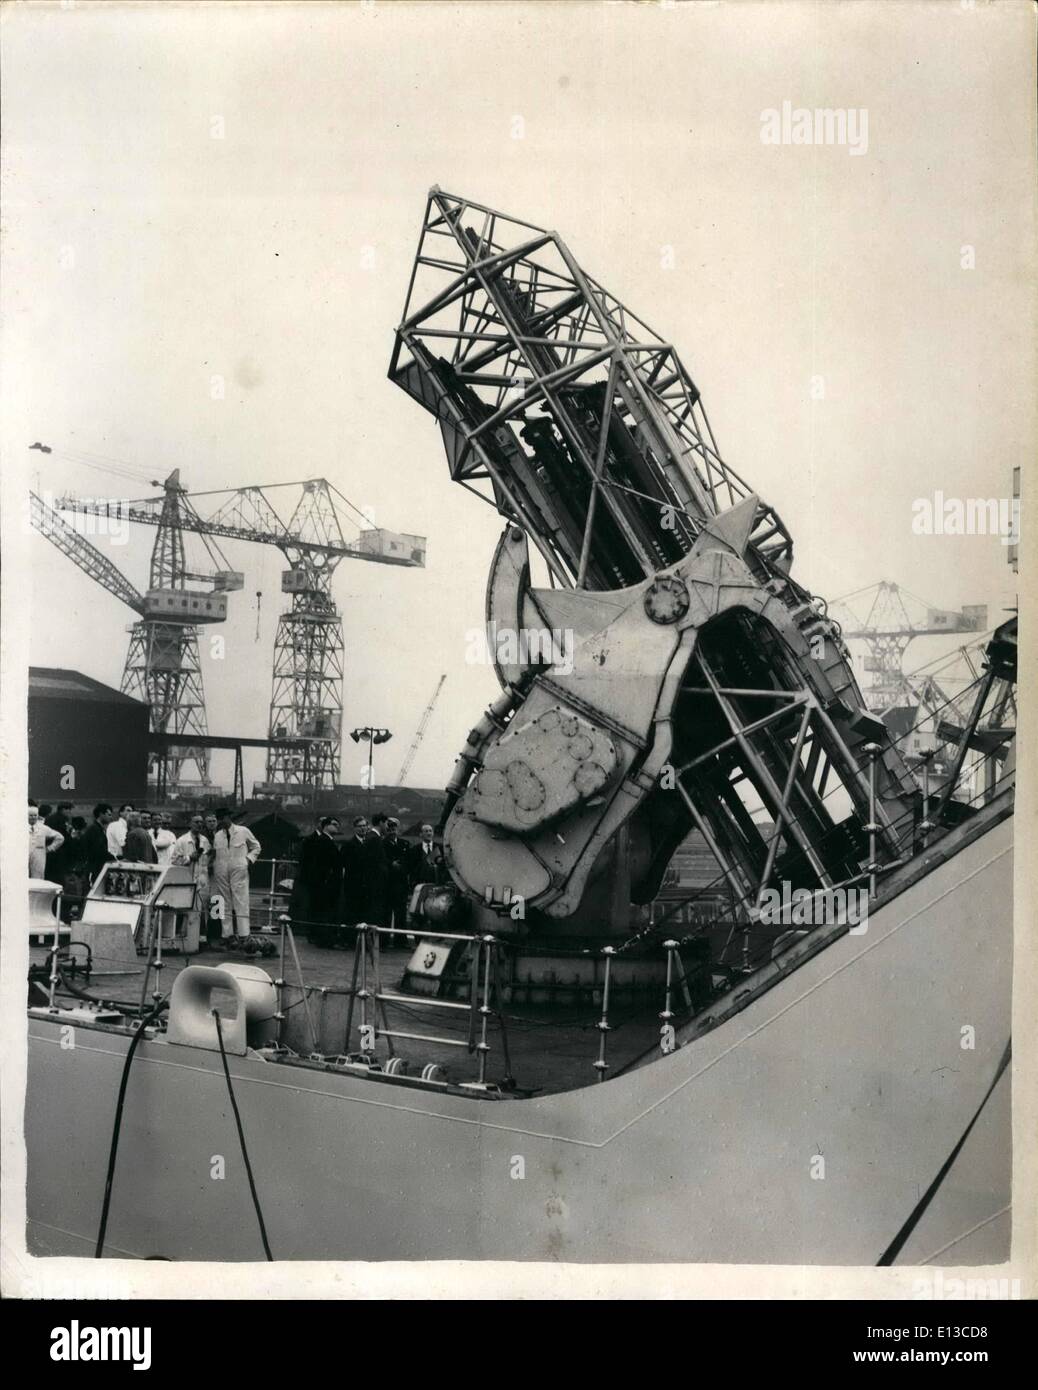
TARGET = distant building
(87,742)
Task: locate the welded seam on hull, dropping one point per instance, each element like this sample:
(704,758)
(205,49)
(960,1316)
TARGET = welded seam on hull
(73,1235)
(564,1138)
(972,1231)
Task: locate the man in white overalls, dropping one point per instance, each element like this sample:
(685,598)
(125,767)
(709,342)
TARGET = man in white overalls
(234,849)
(194,849)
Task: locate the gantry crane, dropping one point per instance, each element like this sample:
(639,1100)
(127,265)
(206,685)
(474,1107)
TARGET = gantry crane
(944,690)
(405,766)
(162,666)
(888,627)
(306,697)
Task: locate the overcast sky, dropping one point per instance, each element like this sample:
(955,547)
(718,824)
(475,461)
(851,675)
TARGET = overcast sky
(238,192)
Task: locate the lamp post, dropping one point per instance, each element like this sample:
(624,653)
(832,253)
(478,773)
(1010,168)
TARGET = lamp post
(372,736)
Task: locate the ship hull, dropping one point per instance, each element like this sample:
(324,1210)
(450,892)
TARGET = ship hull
(804,1129)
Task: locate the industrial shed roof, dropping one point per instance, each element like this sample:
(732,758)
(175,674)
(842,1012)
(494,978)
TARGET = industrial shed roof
(54,683)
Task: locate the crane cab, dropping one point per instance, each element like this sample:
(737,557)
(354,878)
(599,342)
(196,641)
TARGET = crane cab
(185,606)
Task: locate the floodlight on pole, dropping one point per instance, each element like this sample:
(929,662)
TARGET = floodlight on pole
(371,736)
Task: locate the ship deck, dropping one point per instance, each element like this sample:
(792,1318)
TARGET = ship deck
(548,1050)
(540,1049)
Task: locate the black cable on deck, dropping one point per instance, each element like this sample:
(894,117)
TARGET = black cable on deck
(241,1139)
(895,1247)
(118,1124)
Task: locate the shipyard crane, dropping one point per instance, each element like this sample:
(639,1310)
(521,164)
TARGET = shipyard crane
(405,766)
(704,688)
(162,666)
(306,696)
(887,628)
(945,690)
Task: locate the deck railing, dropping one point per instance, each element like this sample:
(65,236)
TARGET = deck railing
(368,998)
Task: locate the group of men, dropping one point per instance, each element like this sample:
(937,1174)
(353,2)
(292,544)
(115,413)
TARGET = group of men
(66,850)
(368,877)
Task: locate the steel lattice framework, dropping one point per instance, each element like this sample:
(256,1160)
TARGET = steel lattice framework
(162,666)
(699,665)
(79,550)
(880,617)
(163,670)
(306,698)
(583,420)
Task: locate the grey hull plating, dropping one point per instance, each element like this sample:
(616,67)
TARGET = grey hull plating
(711,1154)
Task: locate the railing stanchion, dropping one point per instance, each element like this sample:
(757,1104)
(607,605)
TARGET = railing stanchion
(279,983)
(602,1065)
(666,1026)
(152,917)
(302,987)
(483,1047)
(362,993)
(926,824)
(54,956)
(353,991)
(379,1001)
(873,750)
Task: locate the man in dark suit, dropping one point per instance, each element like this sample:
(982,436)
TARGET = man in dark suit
(426,860)
(317,892)
(354,890)
(376,874)
(57,860)
(398,866)
(59,818)
(94,843)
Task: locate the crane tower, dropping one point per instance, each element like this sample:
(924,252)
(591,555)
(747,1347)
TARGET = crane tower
(162,667)
(405,766)
(306,695)
(887,628)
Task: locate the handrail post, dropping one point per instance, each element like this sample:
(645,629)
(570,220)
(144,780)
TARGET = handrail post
(873,750)
(362,993)
(602,1065)
(666,1026)
(483,1047)
(746,947)
(279,983)
(54,955)
(151,963)
(926,824)
(160,913)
